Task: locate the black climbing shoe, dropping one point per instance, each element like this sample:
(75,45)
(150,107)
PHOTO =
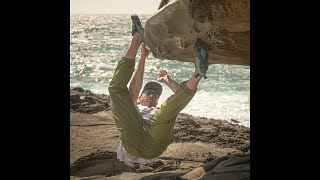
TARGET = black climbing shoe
(201,58)
(137,27)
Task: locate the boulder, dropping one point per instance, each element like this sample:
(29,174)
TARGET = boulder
(223,24)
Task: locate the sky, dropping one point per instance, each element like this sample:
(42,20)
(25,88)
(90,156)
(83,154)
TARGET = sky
(114,6)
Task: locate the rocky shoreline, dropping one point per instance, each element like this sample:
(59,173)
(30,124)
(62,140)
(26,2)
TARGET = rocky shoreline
(203,148)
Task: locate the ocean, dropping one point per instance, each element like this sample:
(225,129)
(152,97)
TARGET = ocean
(97,42)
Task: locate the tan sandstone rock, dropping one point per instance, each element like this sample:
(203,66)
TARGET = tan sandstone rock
(223,24)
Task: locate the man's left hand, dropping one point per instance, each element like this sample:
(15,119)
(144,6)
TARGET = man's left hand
(145,51)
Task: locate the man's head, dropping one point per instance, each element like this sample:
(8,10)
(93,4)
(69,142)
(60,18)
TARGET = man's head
(150,94)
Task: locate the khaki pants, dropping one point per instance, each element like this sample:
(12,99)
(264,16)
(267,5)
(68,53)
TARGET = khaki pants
(145,139)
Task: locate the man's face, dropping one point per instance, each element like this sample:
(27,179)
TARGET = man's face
(149,98)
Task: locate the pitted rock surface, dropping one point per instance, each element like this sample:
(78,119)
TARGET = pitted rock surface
(223,24)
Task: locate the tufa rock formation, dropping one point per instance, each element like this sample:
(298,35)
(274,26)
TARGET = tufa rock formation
(223,24)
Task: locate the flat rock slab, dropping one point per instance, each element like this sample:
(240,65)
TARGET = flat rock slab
(236,167)
(89,133)
(197,141)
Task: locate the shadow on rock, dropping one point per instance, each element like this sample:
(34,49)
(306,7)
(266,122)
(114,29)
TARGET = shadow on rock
(98,163)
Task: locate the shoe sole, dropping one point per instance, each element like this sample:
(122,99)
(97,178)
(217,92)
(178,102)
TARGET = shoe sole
(137,27)
(201,57)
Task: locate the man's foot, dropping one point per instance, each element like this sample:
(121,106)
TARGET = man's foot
(201,58)
(137,27)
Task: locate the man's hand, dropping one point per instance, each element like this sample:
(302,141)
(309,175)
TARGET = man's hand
(162,74)
(145,51)
(163,77)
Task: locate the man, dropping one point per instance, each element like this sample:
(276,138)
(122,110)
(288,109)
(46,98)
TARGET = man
(145,131)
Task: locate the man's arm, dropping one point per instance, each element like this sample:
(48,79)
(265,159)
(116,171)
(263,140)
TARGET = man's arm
(137,78)
(164,77)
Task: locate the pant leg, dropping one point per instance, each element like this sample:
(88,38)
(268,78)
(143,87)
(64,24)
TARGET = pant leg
(125,114)
(160,126)
(122,75)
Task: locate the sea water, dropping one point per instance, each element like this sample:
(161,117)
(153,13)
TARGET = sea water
(97,42)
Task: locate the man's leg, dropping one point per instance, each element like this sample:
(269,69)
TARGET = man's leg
(125,114)
(125,67)
(193,82)
(134,47)
(161,124)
